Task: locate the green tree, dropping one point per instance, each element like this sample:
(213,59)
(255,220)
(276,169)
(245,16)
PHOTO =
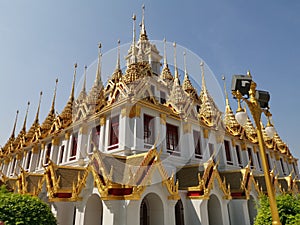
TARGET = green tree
(16,209)
(288,208)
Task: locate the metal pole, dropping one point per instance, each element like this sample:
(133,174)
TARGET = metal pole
(256,113)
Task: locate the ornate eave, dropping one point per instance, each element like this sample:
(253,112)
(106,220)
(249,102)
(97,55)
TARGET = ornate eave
(206,183)
(131,181)
(30,183)
(61,182)
(241,183)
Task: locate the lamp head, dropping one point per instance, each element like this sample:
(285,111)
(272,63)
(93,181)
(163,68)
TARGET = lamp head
(241,83)
(263,98)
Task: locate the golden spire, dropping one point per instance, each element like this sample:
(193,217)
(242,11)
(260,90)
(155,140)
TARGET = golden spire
(25,119)
(225,91)
(66,114)
(143,34)
(187,85)
(184,62)
(166,74)
(38,109)
(249,74)
(73,84)
(46,125)
(118,66)
(117,75)
(15,124)
(229,118)
(98,73)
(165,53)
(52,110)
(134,59)
(175,65)
(82,95)
(202,75)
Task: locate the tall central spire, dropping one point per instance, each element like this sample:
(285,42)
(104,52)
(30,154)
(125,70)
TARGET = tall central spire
(143,34)
(165,53)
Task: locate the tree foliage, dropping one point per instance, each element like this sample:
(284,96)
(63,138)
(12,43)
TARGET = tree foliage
(288,208)
(16,209)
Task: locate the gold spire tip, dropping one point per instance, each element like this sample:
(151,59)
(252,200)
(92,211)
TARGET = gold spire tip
(99,45)
(75,65)
(133,16)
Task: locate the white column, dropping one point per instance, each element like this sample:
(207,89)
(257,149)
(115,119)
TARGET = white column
(114,212)
(238,212)
(103,132)
(138,134)
(186,141)
(79,219)
(133,212)
(169,218)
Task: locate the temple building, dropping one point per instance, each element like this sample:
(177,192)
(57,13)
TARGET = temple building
(145,147)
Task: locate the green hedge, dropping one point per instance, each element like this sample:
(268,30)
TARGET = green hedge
(16,209)
(288,208)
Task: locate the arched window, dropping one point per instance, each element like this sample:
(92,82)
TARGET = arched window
(214,211)
(179,213)
(144,214)
(151,210)
(252,209)
(93,214)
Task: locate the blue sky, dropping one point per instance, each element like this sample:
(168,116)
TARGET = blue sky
(40,41)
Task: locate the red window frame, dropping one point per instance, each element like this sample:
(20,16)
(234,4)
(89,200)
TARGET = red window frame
(114,132)
(74,145)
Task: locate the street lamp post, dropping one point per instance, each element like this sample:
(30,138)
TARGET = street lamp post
(240,86)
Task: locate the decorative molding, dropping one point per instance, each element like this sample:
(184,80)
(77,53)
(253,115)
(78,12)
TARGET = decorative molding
(55,141)
(83,129)
(102,120)
(35,149)
(187,128)
(67,135)
(233,143)
(163,119)
(131,111)
(205,133)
